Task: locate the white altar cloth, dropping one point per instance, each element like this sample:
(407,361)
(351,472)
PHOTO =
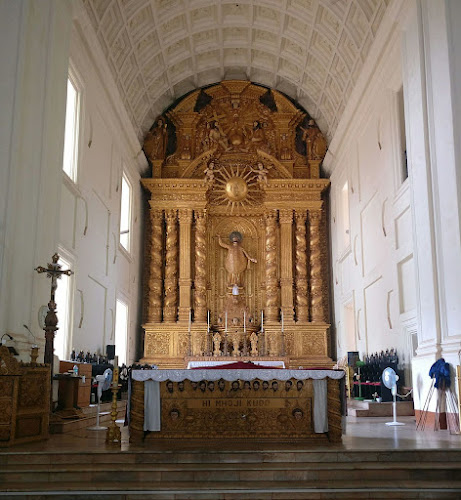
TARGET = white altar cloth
(234,374)
(152,404)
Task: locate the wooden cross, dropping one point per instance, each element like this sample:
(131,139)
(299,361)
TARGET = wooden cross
(54,272)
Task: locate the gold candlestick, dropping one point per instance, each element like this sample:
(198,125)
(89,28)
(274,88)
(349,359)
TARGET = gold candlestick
(33,355)
(113,434)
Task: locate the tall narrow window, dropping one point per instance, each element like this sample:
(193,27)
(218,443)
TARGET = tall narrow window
(121,331)
(63,299)
(402,135)
(69,163)
(125,214)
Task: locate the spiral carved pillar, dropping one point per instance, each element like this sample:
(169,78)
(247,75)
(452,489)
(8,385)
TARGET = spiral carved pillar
(271,309)
(171,267)
(185,275)
(316,272)
(302,307)
(154,292)
(200,306)
(286,258)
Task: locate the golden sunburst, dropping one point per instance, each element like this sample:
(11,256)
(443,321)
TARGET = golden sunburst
(236,186)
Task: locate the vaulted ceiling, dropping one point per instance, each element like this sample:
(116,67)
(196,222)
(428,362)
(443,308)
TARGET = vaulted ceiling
(313,50)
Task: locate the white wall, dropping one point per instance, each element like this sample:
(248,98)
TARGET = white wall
(403,267)
(373,265)
(34,57)
(432,75)
(90,209)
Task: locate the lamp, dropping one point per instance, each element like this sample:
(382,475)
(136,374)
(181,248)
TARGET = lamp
(34,350)
(10,348)
(28,329)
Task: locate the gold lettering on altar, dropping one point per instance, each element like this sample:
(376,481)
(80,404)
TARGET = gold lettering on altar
(232,403)
(236,263)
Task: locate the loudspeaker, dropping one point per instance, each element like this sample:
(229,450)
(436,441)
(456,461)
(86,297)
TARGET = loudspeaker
(110,351)
(352,358)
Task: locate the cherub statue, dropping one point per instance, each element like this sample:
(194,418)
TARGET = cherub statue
(237,258)
(262,172)
(209,173)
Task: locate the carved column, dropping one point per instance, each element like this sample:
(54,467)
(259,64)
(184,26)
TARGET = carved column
(286,263)
(154,293)
(302,309)
(185,274)
(200,307)
(171,267)
(271,309)
(316,275)
(334,410)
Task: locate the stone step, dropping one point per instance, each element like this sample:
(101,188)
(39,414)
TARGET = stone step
(372,409)
(59,468)
(168,456)
(247,489)
(282,473)
(390,472)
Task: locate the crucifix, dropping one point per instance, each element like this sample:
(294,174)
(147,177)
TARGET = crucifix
(54,272)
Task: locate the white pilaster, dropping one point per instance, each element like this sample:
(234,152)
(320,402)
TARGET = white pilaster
(34,48)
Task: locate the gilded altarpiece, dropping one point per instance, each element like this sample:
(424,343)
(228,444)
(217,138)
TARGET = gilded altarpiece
(236,251)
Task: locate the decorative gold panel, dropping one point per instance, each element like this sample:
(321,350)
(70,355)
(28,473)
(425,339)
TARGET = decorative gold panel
(236,410)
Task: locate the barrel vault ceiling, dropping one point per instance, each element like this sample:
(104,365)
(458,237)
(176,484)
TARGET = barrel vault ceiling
(158,50)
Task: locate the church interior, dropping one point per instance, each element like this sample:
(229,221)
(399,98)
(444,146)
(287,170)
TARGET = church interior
(238,211)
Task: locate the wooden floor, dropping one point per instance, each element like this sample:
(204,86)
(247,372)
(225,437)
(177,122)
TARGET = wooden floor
(373,461)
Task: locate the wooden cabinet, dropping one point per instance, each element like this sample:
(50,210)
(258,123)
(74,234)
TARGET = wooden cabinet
(84,386)
(24,400)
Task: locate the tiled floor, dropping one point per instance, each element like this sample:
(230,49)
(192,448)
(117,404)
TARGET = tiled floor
(360,434)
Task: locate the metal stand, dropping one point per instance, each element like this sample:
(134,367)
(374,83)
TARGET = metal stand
(394,411)
(453,423)
(98,427)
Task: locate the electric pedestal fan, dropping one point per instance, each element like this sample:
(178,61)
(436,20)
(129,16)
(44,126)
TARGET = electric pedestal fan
(104,382)
(390,381)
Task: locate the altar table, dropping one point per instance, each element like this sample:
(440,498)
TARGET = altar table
(264,403)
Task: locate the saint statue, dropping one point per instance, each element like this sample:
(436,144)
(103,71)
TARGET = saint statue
(315,142)
(236,260)
(215,136)
(156,141)
(254,344)
(257,134)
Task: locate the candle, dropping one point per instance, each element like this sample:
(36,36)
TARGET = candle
(282,320)
(225,328)
(190,318)
(262,320)
(208,320)
(244,323)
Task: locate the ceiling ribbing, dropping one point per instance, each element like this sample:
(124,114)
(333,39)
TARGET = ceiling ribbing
(313,50)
